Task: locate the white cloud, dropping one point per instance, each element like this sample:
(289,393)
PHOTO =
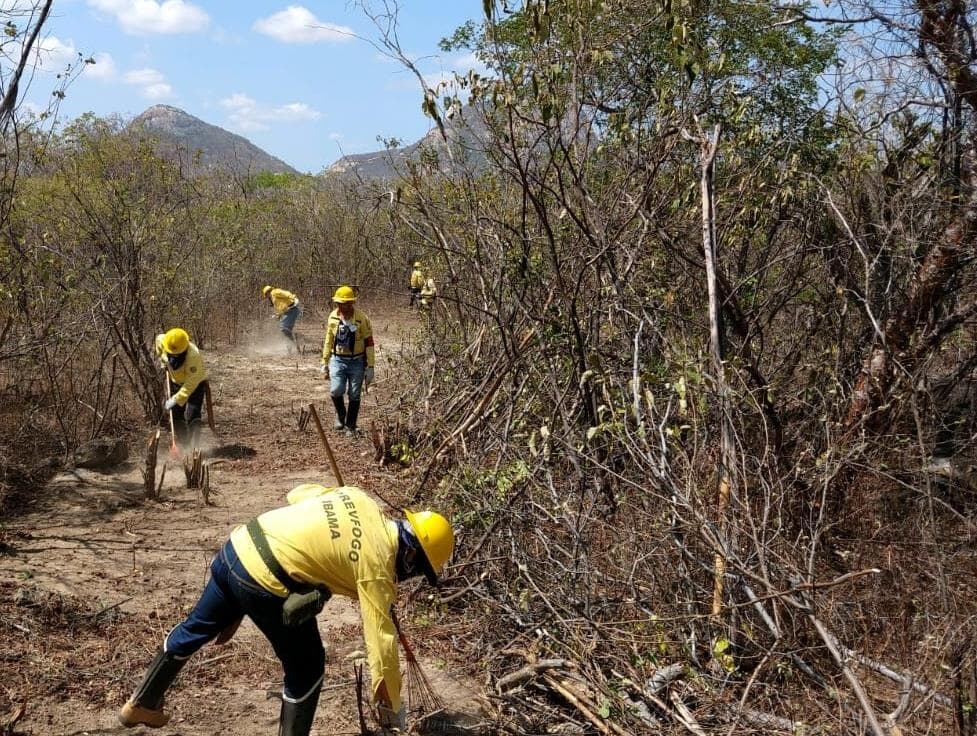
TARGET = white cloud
(31,107)
(468,61)
(151,81)
(149,16)
(247,115)
(55,55)
(297,24)
(104,67)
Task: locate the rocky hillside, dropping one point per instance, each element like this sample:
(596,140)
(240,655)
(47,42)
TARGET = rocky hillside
(465,134)
(184,136)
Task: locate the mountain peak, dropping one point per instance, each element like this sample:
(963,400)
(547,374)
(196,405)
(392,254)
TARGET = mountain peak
(464,134)
(180,133)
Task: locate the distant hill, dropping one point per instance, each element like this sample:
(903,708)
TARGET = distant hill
(183,136)
(465,133)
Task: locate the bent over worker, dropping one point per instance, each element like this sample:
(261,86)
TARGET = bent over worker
(348,356)
(326,542)
(287,310)
(187,381)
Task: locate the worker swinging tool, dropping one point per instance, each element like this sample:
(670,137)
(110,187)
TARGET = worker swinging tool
(287,311)
(187,385)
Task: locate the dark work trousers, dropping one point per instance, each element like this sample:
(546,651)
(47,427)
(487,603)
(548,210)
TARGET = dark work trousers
(232,593)
(186,419)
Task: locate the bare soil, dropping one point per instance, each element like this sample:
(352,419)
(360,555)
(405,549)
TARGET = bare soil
(93,576)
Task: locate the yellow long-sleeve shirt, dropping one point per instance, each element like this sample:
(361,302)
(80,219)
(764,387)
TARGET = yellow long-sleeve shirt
(416,278)
(282,300)
(338,538)
(362,341)
(188,376)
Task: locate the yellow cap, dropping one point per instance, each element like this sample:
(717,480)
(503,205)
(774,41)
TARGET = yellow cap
(265,291)
(436,536)
(176,341)
(344,294)
(417,264)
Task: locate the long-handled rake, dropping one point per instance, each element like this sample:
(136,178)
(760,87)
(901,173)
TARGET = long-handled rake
(325,443)
(422,699)
(174,450)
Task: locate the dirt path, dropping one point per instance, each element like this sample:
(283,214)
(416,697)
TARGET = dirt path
(92,576)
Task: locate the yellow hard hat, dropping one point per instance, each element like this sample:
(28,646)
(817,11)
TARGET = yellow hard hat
(176,341)
(344,294)
(265,291)
(417,264)
(436,536)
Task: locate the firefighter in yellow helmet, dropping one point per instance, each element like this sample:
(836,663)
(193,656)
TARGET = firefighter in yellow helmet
(416,282)
(279,570)
(187,381)
(287,311)
(347,356)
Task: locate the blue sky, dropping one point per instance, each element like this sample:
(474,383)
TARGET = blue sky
(289,77)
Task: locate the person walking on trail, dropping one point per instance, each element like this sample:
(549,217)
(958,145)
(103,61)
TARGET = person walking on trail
(187,382)
(416,283)
(279,570)
(428,293)
(287,310)
(347,356)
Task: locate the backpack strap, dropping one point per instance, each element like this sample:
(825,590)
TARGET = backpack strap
(260,541)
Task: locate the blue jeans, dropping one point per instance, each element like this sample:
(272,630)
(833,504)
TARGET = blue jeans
(288,320)
(346,372)
(232,593)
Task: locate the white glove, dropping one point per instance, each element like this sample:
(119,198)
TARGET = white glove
(391,719)
(169,403)
(323,368)
(368,375)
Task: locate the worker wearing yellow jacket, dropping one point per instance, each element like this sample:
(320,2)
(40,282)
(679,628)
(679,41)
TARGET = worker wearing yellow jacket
(416,282)
(348,356)
(187,381)
(326,542)
(429,293)
(287,310)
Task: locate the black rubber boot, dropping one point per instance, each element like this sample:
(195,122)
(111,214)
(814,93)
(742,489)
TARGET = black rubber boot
(145,707)
(296,718)
(351,415)
(340,405)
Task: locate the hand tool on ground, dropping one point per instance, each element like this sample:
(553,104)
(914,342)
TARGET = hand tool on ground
(325,443)
(422,698)
(210,409)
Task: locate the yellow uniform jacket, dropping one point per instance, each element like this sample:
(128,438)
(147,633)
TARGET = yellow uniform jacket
(362,341)
(342,540)
(188,376)
(282,300)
